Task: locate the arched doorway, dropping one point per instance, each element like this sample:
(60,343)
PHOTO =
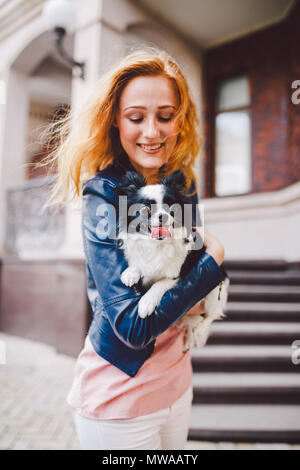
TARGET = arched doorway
(38,87)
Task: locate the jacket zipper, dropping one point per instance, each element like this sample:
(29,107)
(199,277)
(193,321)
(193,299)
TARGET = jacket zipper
(153,348)
(220,289)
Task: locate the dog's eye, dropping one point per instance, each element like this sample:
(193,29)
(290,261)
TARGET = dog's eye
(145,211)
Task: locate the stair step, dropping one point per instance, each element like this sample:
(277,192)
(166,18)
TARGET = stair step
(256,265)
(242,358)
(253,388)
(245,423)
(262,311)
(246,387)
(253,333)
(252,293)
(265,277)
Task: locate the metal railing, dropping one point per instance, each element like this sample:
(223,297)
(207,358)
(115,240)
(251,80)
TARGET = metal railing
(27,230)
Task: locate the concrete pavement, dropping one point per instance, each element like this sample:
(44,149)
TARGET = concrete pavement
(34,415)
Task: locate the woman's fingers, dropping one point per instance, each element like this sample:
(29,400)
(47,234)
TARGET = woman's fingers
(197,309)
(213,246)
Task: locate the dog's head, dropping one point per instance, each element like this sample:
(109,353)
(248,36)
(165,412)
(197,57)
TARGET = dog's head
(155,211)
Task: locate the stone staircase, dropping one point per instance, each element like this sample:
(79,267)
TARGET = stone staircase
(246,387)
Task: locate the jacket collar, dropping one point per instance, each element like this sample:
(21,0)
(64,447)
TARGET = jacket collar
(123,163)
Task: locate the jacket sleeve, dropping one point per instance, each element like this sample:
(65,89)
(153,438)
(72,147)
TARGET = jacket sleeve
(106,264)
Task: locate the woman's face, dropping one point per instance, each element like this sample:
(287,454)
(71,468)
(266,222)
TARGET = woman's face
(146,122)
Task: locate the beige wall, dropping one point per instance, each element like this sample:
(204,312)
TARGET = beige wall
(257,226)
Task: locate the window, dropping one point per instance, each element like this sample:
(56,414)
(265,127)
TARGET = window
(233,138)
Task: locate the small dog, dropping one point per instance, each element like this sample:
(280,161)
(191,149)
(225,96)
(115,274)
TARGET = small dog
(160,248)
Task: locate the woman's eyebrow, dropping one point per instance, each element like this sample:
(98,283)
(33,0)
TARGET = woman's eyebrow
(142,107)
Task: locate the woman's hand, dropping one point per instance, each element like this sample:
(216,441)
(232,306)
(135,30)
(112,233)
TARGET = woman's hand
(216,250)
(213,245)
(198,308)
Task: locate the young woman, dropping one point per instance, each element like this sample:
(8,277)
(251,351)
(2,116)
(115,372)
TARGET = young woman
(133,383)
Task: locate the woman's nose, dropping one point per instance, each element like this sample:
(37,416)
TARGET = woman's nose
(151,129)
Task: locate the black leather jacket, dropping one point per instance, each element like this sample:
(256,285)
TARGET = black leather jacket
(117,332)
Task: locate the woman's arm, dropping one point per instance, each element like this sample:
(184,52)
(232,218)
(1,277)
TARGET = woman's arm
(212,244)
(106,263)
(216,250)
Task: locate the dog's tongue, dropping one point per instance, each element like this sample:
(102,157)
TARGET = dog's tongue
(160,232)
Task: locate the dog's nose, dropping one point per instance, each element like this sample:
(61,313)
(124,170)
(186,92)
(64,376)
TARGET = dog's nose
(163,219)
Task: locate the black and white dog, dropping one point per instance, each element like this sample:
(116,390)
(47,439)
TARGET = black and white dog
(160,248)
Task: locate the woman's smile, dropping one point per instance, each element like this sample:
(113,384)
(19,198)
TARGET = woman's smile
(151,148)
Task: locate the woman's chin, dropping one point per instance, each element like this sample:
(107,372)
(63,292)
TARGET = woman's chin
(148,163)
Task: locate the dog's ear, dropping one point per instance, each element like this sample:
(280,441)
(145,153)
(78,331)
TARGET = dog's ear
(175,180)
(131,182)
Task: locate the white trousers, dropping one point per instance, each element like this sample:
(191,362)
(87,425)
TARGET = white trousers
(163,430)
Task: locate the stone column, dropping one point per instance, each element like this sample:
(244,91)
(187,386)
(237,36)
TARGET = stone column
(14,128)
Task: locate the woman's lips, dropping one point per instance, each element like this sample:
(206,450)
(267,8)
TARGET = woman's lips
(151,150)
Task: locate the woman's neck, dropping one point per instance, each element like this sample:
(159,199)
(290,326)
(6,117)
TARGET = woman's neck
(152,179)
(150,175)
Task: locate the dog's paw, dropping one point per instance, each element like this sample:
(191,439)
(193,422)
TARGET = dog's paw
(188,341)
(146,306)
(130,276)
(186,347)
(172,274)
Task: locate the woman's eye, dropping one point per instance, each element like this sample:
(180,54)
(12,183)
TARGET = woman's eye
(133,119)
(160,118)
(165,118)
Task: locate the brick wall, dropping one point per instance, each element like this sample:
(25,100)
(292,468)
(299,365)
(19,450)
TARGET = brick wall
(271,60)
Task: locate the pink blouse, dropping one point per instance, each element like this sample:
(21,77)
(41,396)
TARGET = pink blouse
(102,391)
